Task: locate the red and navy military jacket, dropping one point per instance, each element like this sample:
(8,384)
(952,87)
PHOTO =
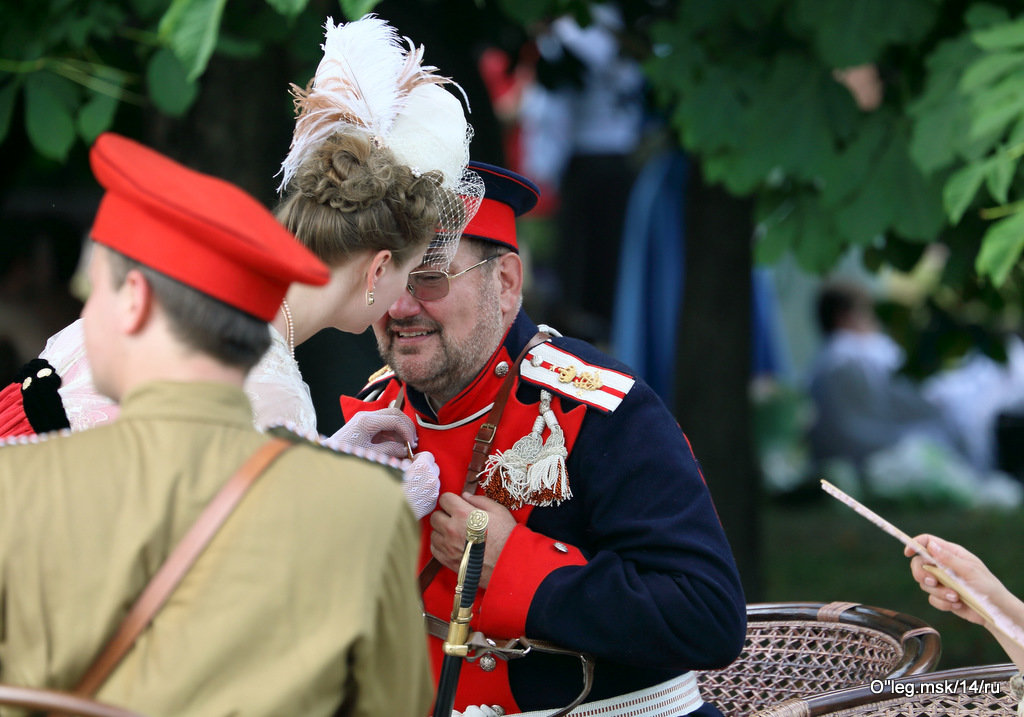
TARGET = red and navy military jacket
(633,569)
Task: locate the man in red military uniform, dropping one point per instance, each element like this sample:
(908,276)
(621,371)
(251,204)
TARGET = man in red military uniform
(603,538)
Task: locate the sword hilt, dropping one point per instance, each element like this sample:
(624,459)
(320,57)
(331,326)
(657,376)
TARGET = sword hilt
(468,582)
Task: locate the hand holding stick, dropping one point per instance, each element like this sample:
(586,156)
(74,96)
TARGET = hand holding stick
(992,615)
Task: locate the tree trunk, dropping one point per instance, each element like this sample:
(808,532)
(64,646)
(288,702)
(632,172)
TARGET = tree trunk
(713,365)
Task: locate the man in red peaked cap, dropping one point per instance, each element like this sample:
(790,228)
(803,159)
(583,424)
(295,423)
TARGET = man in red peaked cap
(602,539)
(303,602)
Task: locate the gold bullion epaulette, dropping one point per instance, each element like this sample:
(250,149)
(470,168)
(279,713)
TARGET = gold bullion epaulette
(384,372)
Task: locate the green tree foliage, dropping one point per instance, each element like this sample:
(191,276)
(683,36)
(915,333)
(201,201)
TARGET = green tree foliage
(752,89)
(74,63)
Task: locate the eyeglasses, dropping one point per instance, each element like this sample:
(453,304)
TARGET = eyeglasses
(434,284)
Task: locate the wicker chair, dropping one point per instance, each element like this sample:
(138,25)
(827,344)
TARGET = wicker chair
(963,692)
(53,701)
(798,649)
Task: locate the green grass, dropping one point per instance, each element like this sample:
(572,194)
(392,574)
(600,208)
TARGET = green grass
(823,551)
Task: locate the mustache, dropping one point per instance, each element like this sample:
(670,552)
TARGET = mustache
(405,324)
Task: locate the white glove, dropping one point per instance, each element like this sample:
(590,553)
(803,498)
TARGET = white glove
(421,483)
(480,711)
(387,431)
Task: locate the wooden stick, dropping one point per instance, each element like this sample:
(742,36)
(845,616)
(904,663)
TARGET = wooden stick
(943,573)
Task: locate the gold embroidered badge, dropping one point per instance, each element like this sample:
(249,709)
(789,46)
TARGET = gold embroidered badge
(588,381)
(581,381)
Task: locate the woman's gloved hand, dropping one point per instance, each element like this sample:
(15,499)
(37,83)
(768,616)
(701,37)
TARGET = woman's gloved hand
(387,431)
(421,483)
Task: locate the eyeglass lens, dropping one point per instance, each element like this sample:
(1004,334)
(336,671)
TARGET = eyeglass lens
(428,285)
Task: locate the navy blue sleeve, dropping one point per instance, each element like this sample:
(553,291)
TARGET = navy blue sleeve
(660,588)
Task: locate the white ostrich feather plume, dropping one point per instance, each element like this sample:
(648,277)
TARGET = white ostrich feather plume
(363,81)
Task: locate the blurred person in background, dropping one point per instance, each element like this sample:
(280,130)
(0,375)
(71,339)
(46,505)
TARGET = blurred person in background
(933,438)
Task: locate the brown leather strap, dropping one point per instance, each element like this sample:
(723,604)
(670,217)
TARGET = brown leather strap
(178,564)
(482,442)
(485,434)
(429,572)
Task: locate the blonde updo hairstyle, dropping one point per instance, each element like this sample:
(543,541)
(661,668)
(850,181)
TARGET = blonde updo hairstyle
(351,195)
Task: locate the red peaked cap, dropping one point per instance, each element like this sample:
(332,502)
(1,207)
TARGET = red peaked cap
(202,231)
(506,196)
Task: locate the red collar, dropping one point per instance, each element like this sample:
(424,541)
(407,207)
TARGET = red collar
(479,394)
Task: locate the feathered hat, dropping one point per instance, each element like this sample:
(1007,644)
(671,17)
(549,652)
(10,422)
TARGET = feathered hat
(370,80)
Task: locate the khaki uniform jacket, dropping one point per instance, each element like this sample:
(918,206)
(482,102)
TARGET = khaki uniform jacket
(304,602)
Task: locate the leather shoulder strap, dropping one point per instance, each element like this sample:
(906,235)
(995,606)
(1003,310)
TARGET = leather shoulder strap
(485,435)
(178,564)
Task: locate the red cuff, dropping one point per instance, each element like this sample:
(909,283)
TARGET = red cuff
(525,561)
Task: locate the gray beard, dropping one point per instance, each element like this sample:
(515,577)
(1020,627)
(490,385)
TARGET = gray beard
(454,366)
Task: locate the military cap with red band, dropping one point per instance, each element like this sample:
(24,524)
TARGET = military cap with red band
(198,229)
(507,195)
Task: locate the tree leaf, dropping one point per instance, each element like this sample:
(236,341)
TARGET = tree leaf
(919,214)
(355,9)
(818,246)
(773,234)
(876,204)
(980,16)
(1003,36)
(291,8)
(8,95)
(238,48)
(994,108)
(848,171)
(96,116)
(169,87)
(796,223)
(1000,248)
(525,12)
(990,68)
(960,190)
(999,175)
(940,114)
(190,29)
(48,114)
(787,122)
(935,134)
(852,33)
(147,9)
